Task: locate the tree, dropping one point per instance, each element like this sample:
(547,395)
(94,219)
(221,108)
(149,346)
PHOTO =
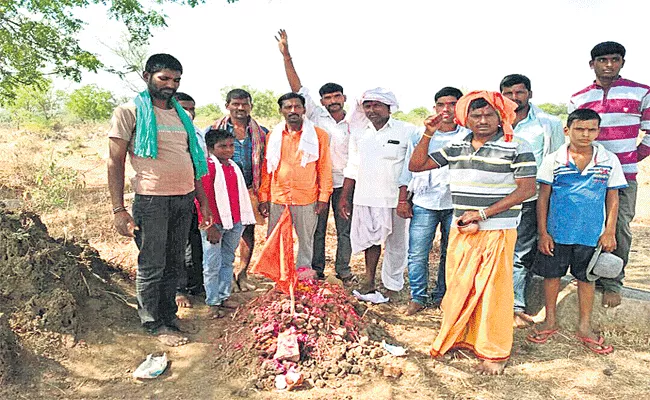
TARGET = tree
(36,102)
(134,56)
(211,112)
(265,103)
(90,103)
(554,109)
(39,38)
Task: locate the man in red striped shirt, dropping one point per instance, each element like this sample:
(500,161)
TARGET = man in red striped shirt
(624,107)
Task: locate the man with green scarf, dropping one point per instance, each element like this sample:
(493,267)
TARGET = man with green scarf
(159,138)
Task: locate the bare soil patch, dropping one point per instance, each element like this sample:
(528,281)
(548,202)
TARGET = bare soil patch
(58,341)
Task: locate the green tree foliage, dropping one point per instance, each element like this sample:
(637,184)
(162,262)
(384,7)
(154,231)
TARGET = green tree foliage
(90,103)
(35,103)
(265,102)
(39,37)
(415,116)
(209,112)
(554,109)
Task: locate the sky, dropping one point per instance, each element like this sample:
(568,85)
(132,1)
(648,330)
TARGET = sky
(413,48)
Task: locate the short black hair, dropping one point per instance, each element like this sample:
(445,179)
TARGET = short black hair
(514,79)
(181,96)
(477,103)
(582,114)
(605,48)
(238,94)
(158,62)
(214,136)
(330,88)
(289,96)
(448,91)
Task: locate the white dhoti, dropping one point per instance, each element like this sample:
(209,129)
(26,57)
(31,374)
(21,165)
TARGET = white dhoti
(376,226)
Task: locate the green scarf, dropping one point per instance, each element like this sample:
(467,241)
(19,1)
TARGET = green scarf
(146,133)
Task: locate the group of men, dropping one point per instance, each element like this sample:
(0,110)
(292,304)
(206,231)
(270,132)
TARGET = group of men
(388,182)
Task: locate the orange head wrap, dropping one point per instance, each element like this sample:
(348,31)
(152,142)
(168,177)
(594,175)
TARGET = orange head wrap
(503,106)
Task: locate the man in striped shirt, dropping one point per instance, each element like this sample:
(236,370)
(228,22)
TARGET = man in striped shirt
(624,107)
(491,174)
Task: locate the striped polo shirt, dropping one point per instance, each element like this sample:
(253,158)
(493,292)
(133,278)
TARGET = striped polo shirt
(624,109)
(576,212)
(480,178)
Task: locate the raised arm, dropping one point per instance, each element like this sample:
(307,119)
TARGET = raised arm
(420,160)
(289,69)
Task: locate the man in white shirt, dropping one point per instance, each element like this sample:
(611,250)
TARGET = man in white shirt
(190,278)
(331,118)
(545,134)
(431,204)
(375,161)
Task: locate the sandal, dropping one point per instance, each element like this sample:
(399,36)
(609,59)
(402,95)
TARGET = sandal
(216,312)
(598,346)
(541,337)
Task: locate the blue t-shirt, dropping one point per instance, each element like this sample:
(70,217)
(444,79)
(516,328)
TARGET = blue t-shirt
(576,212)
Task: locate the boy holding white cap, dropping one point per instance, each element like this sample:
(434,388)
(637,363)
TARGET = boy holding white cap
(576,212)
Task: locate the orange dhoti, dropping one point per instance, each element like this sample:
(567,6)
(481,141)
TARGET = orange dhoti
(477,307)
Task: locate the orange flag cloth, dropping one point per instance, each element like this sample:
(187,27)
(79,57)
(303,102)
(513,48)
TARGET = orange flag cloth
(503,106)
(276,261)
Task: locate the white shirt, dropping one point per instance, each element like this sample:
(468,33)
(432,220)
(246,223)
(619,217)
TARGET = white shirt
(375,162)
(431,188)
(339,133)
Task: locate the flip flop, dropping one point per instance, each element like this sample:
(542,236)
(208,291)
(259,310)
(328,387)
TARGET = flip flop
(541,337)
(598,346)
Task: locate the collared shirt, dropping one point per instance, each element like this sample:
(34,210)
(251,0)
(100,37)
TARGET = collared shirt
(375,162)
(339,133)
(543,132)
(243,155)
(232,189)
(480,178)
(431,188)
(293,184)
(624,109)
(576,212)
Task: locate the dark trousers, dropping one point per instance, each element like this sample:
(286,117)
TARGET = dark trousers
(163,226)
(190,278)
(343,247)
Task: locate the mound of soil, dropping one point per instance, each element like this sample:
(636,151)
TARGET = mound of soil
(336,336)
(49,291)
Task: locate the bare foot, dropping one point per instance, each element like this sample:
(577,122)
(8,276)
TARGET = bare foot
(182,325)
(522,320)
(490,367)
(170,338)
(182,301)
(611,299)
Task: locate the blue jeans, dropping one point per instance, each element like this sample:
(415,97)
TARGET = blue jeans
(217,263)
(525,250)
(422,230)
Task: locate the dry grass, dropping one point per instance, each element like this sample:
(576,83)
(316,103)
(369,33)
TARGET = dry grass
(560,369)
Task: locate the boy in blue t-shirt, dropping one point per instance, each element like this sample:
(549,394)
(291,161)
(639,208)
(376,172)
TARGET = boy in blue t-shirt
(576,212)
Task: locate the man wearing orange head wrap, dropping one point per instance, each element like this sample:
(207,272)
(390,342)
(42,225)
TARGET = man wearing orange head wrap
(491,174)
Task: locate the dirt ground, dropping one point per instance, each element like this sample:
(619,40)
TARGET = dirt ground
(100,363)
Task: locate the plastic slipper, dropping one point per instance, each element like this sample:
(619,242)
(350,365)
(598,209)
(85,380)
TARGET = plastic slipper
(597,346)
(542,336)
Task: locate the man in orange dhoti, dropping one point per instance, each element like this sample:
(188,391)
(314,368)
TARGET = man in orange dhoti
(491,174)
